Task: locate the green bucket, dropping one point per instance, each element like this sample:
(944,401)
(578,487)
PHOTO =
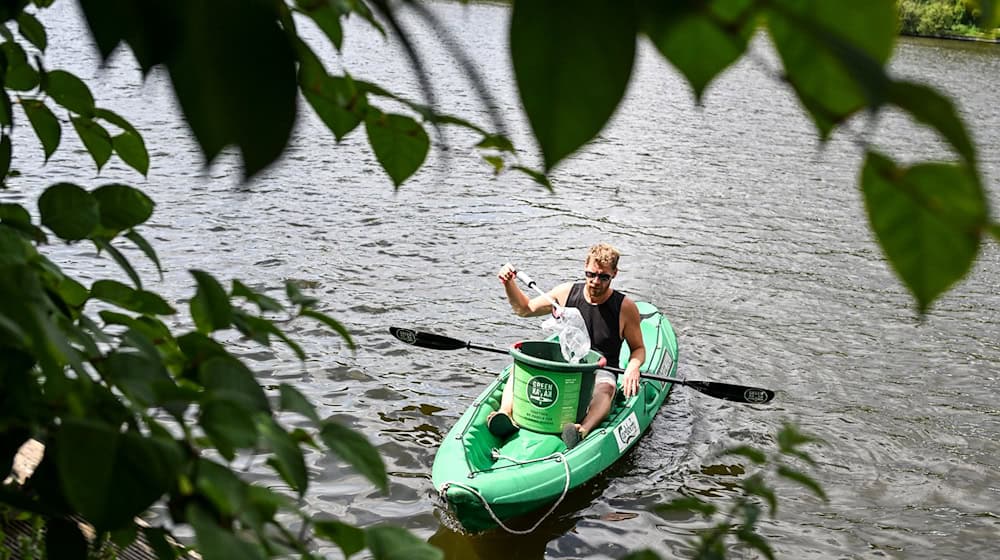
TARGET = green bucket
(548,391)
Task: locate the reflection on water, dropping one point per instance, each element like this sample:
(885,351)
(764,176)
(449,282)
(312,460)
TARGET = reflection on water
(731,218)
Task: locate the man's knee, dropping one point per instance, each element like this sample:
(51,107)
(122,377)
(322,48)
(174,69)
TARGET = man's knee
(606,383)
(603,391)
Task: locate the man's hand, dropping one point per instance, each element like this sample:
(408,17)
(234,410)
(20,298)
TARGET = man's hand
(507,273)
(630,385)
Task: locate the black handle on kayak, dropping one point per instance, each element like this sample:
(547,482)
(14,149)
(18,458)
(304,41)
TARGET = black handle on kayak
(725,391)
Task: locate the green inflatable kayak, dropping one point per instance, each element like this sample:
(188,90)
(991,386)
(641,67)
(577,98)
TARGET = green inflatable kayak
(483,481)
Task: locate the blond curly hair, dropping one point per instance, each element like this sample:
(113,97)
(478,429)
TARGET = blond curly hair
(603,254)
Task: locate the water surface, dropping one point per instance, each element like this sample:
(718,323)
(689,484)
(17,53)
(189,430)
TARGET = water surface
(731,217)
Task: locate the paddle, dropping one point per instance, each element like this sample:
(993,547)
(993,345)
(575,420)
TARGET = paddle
(726,391)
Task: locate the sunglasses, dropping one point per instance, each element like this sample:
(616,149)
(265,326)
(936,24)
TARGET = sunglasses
(603,277)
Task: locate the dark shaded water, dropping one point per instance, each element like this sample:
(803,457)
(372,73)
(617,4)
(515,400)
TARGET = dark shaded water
(731,218)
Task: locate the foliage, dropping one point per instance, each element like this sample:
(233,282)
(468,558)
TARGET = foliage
(737,525)
(135,412)
(943,17)
(131,411)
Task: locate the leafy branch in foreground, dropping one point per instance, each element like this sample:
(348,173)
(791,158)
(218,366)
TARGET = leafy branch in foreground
(131,413)
(736,526)
(833,55)
(134,412)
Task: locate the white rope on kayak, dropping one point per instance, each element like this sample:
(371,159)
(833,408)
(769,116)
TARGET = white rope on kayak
(496,456)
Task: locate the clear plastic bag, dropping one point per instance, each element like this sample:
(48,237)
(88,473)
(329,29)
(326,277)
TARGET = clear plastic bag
(573,338)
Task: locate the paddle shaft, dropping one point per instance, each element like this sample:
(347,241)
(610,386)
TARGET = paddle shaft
(726,391)
(614,370)
(523,277)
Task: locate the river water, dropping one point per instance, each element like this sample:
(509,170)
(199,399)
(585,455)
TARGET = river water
(730,216)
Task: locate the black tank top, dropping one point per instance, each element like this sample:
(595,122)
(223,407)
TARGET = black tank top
(603,321)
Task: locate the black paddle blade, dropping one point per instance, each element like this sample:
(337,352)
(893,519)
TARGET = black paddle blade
(735,393)
(427,340)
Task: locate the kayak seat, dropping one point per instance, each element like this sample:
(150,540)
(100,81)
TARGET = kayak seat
(478,441)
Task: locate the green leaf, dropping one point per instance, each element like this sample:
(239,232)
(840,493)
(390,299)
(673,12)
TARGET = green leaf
(287,459)
(107,21)
(296,296)
(675,26)
(142,378)
(14,249)
(12,214)
(495,161)
(115,119)
(350,539)
(496,141)
(46,126)
(236,51)
(210,307)
(73,293)
(63,539)
(69,91)
(572,64)
(199,348)
(333,324)
(399,142)
(156,537)
(790,438)
(16,217)
(336,100)
(756,541)
(227,378)
(129,145)
(125,297)
(833,54)
(146,249)
(258,329)
(264,303)
(354,448)
(755,486)
(294,401)
(536,176)
(109,476)
(263,504)
(295,347)
(396,543)
(6,109)
(755,455)
(229,425)
(69,211)
(122,207)
(937,111)
(119,258)
(217,543)
(95,139)
(802,479)
(32,30)
(327,17)
(5,154)
(131,148)
(221,485)
(126,536)
(20,75)
(928,219)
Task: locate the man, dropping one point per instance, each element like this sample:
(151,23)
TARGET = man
(611,317)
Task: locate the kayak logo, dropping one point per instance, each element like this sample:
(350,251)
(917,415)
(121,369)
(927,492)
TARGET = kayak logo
(542,391)
(406,335)
(627,432)
(755,396)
